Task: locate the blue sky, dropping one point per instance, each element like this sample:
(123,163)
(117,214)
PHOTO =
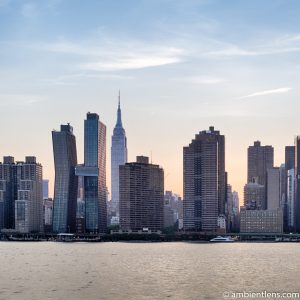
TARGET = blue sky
(181,67)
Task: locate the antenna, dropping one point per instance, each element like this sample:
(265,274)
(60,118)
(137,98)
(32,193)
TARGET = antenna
(151,157)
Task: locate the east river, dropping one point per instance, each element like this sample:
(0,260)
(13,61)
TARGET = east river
(178,270)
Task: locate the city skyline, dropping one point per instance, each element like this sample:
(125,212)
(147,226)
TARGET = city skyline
(187,66)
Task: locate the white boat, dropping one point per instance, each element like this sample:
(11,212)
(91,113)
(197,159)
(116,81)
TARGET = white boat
(222,239)
(65,237)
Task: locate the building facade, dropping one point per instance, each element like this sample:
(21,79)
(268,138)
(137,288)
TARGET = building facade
(204,182)
(273,189)
(94,173)
(65,187)
(141,196)
(261,221)
(232,210)
(297,183)
(260,159)
(48,214)
(173,210)
(254,196)
(290,157)
(29,214)
(45,188)
(118,157)
(8,192)
(290,209)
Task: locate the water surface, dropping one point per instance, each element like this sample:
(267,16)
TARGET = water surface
(51,270)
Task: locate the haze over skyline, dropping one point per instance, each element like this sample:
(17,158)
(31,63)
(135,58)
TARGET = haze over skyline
(182,66)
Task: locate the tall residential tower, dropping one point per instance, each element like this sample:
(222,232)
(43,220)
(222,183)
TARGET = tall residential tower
(204,181)
(94,173)
(65,188)
(141,195)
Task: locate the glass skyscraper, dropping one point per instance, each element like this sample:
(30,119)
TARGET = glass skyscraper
(118,157)
(8,192)
(65,189)
(94,173)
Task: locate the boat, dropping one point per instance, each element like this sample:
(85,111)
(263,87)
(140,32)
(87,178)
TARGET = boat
(65,237)
(222,239)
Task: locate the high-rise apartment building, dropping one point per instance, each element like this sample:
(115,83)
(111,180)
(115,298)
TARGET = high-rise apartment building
(65,187)
(141,196)
(94,173)
(118,157)
(204,181)
(260,159)
(29,215)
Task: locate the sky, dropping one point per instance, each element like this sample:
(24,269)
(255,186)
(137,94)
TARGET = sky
(181,66)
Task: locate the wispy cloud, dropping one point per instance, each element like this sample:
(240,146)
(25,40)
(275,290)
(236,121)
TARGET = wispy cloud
(231,51)
(112,57)
(267,92)
(282,45)
(20,99)
(139,60)
(70,79)
(200,80)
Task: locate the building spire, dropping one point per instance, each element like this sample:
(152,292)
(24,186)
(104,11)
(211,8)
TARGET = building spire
(119,118)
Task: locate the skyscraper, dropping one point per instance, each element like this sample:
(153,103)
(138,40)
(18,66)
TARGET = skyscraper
(29,214)
(297,183)
(204,181)
(141,195)
(21,195)
(118,157)
(290,209)
(260,159)
(254,196)
(289,157)
(65,188)
(94,173)
(273,189)
(8,192)
(45,188)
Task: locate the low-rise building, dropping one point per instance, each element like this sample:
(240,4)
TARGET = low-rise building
(261,221)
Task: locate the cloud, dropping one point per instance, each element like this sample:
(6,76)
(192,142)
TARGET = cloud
(20,99)
(138,60)
(200,80)
(231,51)
(112,57)
(281,45)
(267,92)
(70,79)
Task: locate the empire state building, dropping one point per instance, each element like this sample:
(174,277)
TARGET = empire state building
(118,157)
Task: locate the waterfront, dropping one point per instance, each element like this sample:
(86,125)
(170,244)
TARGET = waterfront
(50,270)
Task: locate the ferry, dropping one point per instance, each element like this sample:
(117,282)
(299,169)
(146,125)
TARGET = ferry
(222,239)
(65,237)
